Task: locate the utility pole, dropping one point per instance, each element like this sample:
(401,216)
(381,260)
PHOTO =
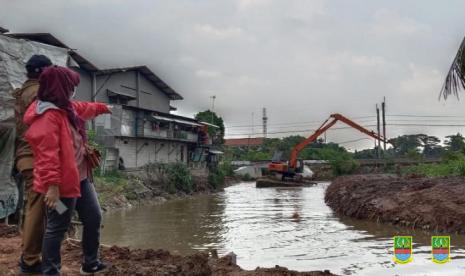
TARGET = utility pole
(379,132)
(265,121)
(383,109)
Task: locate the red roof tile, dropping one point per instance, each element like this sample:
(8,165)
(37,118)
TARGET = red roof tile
(244,142)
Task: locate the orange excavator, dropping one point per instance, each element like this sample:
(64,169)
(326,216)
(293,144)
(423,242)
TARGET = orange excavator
(295,166)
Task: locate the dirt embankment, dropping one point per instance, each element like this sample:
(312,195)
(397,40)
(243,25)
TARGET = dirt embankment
(435,204)
(133,190)
(127,261)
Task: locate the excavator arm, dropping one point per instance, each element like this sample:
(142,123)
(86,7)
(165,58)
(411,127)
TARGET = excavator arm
(332,120)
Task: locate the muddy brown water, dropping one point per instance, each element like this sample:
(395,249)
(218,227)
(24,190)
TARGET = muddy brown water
(290,227)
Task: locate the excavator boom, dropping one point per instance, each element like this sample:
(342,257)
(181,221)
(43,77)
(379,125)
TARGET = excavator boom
(331,121)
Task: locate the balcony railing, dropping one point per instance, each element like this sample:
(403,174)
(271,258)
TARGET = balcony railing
(170,134)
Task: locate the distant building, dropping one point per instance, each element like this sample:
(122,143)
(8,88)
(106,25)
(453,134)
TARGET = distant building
(141,129)
(244,142)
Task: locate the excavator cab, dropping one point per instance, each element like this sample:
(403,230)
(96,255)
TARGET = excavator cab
(277,157)
(300,166)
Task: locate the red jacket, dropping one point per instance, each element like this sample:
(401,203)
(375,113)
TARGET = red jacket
(50,138)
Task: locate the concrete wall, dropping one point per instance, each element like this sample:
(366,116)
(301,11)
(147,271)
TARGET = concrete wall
(116,82)
(151,97)
(139,152)
(84,90)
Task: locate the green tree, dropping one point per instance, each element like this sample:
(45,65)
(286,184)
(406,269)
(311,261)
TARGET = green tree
(211,117)
(431,146)
(406,144)
(455,142)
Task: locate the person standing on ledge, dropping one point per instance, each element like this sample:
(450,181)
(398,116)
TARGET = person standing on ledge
(58,139)
(33,221)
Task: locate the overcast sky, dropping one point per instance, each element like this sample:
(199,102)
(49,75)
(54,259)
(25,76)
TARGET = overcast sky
(301,59)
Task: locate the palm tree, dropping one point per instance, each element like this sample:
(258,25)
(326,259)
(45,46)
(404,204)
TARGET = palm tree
(455,80)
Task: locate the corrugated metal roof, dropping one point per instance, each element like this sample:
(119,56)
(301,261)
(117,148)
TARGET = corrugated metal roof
(159,113)
(150,75)
(208,124)
(179,121)
(111,93)
(45,38)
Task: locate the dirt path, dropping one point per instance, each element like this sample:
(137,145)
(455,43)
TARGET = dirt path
(436,204)
(137,262)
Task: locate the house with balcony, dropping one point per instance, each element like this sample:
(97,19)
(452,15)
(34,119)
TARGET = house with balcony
(141,129)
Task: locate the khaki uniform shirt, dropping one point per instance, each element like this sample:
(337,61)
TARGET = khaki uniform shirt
(24,97)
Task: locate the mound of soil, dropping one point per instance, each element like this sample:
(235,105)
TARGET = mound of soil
(127,261)
(435,204)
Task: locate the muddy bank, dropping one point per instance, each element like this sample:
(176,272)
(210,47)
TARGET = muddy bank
(434,204)
(127,191)
(127,261)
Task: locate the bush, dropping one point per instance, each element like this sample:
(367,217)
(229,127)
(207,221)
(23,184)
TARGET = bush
(180,177)
(216,178)
(247,177)
(171,177)
(452,167)
(453,156)
(226,168)
(460,168)
(344,165)
(414,155)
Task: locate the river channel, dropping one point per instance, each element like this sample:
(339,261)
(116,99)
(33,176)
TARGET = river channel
(265,227)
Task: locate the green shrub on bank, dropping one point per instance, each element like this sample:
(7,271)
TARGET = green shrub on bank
(216,178)
(113,184)
(344,164)
(226,168)
(179,178)
(247,177)
(453,167)
(170,177)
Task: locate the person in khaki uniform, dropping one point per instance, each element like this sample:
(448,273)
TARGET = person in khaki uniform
(33,225)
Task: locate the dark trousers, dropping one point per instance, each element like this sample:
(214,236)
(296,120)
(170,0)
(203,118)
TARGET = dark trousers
(89,212)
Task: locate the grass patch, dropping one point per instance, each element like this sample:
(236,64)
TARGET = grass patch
(447,168)
(115,184)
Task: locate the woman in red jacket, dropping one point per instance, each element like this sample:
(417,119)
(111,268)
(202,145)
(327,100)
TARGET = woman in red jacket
(57,136)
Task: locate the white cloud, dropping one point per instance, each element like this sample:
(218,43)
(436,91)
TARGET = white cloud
(387,22)
(247,4)
(421,82)
(215,32)
(207,74)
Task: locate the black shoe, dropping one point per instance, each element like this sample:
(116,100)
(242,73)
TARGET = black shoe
(30,269)
(90,270)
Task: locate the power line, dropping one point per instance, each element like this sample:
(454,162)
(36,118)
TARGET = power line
(298,131)
(359,117)
(352,141)
(430,125)
(427,116)
(392,123)
(309,123)
(366,126)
